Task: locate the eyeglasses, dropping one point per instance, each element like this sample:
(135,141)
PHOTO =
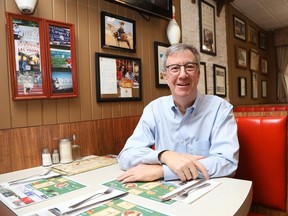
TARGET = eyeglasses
(190,68)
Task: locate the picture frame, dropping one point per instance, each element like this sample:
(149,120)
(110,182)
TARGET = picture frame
(264,88)
(241,57)
(202,84)
(61,58)
(262,41)
(239,28)
(264,65)
(254,60)
(254,85)
(242,83)
(38,50)
(252,35)
(219,74)
(207,28)
(159,51)
(118,32)
(114,79)
(27,57)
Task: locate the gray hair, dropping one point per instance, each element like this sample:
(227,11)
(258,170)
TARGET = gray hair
(180,47)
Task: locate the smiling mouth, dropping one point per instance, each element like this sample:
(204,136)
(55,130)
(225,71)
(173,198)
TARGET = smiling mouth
(183,84)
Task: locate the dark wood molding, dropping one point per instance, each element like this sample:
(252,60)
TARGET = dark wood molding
(220,4)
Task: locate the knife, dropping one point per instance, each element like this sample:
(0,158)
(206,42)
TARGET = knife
(167,198)
(92,204)
(31,180)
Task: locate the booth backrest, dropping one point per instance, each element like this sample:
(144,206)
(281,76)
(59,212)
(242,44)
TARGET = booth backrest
(260,108)
(263,158)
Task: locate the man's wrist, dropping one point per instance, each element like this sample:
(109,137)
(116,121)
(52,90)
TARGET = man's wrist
(160,157)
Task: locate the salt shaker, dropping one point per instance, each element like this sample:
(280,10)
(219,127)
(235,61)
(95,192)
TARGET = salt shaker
(65,150)
(55,157)
(46,158)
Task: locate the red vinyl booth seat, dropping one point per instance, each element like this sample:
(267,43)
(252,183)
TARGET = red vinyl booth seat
(262,158)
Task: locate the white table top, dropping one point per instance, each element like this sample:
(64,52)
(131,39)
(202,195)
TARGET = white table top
(231,197)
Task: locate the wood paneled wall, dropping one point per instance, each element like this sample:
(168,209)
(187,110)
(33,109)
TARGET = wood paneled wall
(85,15)
(21,148)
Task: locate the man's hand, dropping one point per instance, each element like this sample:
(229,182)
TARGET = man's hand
(185,166)
(142,172)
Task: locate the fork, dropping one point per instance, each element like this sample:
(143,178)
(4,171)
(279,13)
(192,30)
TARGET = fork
(36,175)
(187,192)
(108,191)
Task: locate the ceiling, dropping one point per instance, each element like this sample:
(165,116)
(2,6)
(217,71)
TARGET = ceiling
(268,14)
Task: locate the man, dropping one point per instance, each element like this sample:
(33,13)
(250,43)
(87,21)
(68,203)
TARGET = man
(195,136)
(130,74)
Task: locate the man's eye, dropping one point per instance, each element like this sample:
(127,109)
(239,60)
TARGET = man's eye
(175,68)
(190,67)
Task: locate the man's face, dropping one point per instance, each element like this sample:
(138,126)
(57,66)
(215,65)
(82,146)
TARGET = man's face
(182,85)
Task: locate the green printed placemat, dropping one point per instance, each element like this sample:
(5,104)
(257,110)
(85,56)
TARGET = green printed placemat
(121,207)
(149,190)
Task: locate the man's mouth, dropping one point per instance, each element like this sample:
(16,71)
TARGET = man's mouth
(183,84)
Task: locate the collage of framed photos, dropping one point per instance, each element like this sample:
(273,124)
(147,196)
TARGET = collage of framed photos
(38,72)
(250,58)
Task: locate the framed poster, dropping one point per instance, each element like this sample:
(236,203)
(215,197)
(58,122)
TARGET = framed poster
(61,60)
(262,41)
(254,60)
(27,57)
(207,28)
(118,78)
(219,73)
(242,83)
(239,28)
(264,65)
(254,85)
(252,36)
(202,87)
(159,50)
(118,32)
(264,88)
(240,57)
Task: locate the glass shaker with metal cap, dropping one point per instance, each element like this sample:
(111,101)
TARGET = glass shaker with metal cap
(65,150)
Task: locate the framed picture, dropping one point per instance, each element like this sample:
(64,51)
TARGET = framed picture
(262,41)
(264,65)
(61,60)
(118,32)
(242,83)
(159,51)
(254,60)
(207,28)
(202,87)
(252,36)
(219,73)
(27,57)
(240,57)
(254,85)
(239,28)
(118,78)
(264,88)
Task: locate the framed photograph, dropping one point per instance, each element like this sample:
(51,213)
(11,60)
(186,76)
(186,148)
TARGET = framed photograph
(242,83)
(207,28)
(61,60)
(254,85)
(159,51)
(202,87)
(252,36)
(118,78)
(264,88)
(239,28)
(27,57)
(118,32)
(264,65)
(254,60)
(240,57)
(219,73)
(262,41)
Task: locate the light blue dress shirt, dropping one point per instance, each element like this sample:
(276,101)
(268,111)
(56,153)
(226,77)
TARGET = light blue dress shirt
(208,128)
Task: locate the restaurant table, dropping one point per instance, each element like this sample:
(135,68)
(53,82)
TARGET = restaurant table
(231,197)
